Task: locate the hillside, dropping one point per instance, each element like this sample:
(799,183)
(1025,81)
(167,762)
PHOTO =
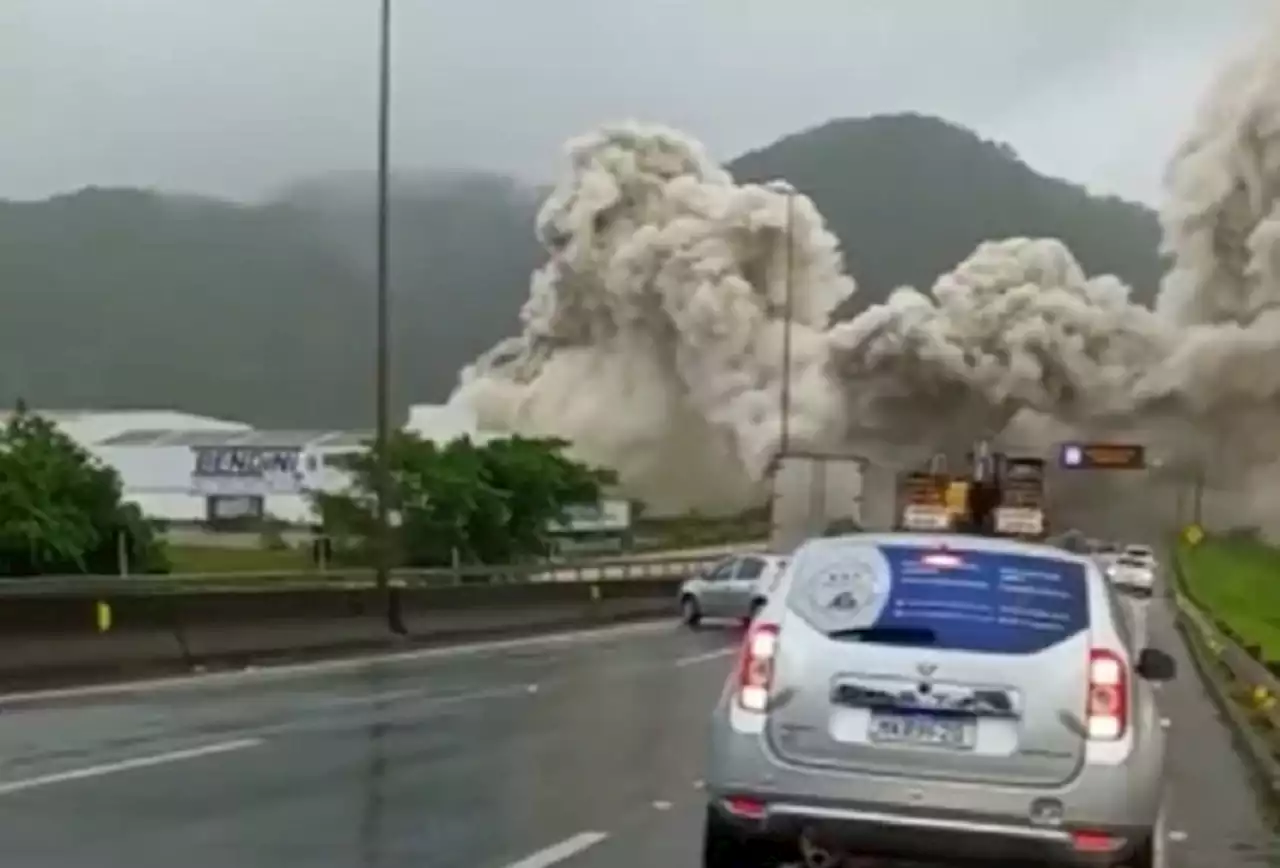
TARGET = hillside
(264,313)
(910,196)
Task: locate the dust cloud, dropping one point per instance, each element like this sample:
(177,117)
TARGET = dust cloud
(653,337)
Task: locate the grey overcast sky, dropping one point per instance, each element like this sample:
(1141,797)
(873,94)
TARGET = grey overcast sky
(236,97)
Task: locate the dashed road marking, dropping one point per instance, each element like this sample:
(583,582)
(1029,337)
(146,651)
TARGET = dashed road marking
(693,659)
(1159,852)
(142,762)
(557,853)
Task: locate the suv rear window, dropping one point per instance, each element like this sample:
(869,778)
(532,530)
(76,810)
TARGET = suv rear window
(986,602)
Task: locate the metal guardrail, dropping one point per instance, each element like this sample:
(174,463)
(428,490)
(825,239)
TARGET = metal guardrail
(1247,678)
(1244,667)
(621,569)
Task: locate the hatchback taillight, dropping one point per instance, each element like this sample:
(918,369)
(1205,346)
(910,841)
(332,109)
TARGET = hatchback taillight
(1107,713)
(755,669)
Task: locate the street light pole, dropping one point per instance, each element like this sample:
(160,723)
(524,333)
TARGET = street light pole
(382,468)
(372,816)
(785,444)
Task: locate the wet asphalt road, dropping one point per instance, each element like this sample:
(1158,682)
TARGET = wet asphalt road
(587,749)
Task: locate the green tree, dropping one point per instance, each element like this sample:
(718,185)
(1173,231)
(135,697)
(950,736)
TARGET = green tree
(487,503)
(61,510)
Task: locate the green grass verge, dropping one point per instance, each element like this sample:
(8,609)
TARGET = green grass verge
(211,559)
(1238,582)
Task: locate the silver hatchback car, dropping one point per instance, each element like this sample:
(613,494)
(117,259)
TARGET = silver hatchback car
(938,698)
(736,587)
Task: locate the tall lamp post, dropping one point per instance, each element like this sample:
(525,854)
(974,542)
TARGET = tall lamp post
(784,438)
(382,375)
(785,444)
(787,304)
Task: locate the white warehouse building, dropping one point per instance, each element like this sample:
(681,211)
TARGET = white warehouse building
(184,468)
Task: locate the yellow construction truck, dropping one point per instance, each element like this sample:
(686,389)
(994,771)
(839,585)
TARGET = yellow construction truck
(992,494)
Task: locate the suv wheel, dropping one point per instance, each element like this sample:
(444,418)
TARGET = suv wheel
(1144,856)
(689,612)
(724,846)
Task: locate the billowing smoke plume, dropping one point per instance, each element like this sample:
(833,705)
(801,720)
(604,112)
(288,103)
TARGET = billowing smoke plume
(654,336)
(1218,389)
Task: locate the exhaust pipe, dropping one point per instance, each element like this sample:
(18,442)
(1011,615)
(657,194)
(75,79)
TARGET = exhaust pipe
(816,856)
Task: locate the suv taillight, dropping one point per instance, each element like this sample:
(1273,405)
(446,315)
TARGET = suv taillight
(755,670)
(1107,714)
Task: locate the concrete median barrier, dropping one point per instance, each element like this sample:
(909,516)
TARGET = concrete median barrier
(49,639)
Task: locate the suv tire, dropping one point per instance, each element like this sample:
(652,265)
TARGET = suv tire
(724,846)
(1144,856)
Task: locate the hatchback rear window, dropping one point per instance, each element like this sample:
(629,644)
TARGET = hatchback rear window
(987,602)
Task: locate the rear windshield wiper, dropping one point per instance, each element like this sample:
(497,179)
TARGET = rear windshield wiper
(888,635)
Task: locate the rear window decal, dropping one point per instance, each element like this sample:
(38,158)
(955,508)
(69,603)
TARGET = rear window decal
(848,586)
(981,601)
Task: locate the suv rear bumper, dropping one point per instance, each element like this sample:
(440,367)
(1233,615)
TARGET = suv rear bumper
(915,817)
(953,840)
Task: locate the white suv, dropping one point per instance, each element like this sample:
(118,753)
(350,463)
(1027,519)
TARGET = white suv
(928,697)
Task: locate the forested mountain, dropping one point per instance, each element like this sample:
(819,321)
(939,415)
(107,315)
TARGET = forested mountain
(910,196)
(125,298)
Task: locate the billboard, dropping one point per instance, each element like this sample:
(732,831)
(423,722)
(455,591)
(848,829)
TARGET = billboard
(251,471)
(607,516)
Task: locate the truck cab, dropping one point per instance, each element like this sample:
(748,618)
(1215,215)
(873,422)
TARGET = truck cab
(992,495)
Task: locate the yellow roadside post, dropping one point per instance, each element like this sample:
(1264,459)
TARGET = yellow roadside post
(103,612)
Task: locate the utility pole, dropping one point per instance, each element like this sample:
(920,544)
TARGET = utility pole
(382,437)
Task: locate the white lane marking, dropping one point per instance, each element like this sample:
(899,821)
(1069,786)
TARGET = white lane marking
(662,805)
(572,637)
(1159,852)
(127,765)
(1165,723)
(557,853)
(703,658)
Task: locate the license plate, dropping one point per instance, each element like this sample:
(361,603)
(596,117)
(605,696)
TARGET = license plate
(924,730)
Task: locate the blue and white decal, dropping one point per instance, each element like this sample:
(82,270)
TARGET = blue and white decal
(980,601)
(986,601)
(853,586)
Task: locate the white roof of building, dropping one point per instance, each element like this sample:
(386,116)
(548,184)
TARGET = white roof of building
(251,438)
(439,422)
(92,427)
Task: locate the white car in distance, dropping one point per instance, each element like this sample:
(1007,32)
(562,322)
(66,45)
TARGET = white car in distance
(1134,570)
(1141,552)
(1105,554)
